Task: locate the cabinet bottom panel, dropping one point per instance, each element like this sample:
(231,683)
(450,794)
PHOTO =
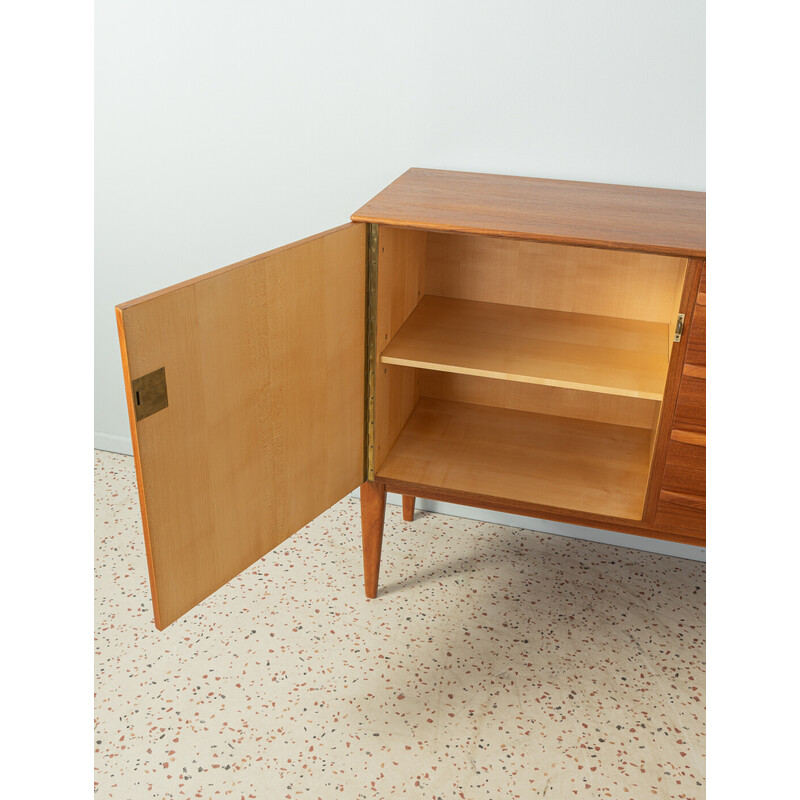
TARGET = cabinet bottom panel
(522,457)
(671,530)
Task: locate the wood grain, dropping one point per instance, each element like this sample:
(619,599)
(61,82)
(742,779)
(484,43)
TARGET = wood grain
(691,453)
(677,520)
(688,437)
(613,409)
(533,458)
(684,478)
(696,350)
(694,371)
(607,355)
(479,500)
(373,510)
(264,429)
(682,513)
(690,410)
(686,306)
(401,284)
(681,502)
(576,279)
(566,212)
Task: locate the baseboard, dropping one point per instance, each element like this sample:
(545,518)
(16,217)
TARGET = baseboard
(113,443)
(615,538)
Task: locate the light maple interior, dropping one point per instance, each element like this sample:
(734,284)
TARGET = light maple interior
(263,430)
(520,370)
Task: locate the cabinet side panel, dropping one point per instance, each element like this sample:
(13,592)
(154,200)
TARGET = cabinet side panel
(263,430)
(401,285)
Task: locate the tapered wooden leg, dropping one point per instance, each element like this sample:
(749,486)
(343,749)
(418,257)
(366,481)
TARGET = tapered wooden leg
(408,507)
(373,509)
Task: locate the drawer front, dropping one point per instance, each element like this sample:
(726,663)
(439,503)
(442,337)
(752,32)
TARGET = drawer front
(682,519)
(684,479)
(687,449)
(690,410)
(682,500)
(696,348)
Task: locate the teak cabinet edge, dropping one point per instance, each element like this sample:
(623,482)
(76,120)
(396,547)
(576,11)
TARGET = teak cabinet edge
(607,216)
(695,270)
(259,406)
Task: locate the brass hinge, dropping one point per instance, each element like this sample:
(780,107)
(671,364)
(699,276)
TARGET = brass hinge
(149,393)
(679,327)
(370,355)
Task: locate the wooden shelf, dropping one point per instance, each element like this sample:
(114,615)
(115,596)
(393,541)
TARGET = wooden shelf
(532,345)
(554,461)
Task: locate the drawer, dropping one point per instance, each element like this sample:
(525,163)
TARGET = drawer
(684,479)
(685,450)
(681,513)
(682,500)
(696,348)
(680,520)
(690,411)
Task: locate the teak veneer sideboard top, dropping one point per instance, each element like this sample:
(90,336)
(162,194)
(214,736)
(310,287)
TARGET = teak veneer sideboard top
(518,344)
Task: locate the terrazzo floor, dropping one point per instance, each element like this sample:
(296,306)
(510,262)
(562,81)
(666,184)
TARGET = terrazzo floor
(495,663)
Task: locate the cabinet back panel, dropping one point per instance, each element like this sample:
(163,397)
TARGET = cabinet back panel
(614,409)
(582,280)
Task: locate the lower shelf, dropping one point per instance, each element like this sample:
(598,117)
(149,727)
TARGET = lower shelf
(554,461)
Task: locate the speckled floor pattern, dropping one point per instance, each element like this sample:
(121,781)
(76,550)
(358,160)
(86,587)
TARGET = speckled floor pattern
(495,663)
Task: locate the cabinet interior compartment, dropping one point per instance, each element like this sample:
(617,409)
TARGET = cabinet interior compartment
(519,370)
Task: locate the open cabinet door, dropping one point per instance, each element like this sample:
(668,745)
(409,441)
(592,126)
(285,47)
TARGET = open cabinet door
(246,401)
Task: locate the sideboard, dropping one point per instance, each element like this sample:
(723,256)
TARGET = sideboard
(518,344)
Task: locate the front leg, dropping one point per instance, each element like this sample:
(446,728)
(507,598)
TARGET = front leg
(373,509)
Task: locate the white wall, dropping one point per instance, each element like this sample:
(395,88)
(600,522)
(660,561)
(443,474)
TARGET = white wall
(224,129)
